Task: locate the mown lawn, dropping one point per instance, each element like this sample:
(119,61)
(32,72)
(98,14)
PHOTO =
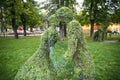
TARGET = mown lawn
(13,54)
(106,58)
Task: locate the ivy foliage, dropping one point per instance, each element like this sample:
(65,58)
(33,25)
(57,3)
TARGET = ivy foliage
(77,52)
(76,63)
(53,20)
(40,66)
(64,14)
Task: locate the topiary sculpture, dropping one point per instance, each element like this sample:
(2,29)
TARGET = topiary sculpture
(77,52)
(40,65)
(77,62)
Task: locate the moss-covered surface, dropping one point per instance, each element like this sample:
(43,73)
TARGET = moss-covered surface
(39,66)
(76,63)
(77,52)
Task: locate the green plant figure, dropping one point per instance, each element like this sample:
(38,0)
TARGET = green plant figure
(77,53)
(40,65)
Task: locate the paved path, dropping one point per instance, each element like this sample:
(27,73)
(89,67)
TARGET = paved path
(111,41)
(32,34)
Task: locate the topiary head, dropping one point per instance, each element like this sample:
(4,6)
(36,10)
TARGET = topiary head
(53,21)
(64,14)
(49,37)
(74,29)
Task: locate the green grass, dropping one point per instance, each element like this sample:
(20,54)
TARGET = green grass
(13,54)
(113,37)
(106,58)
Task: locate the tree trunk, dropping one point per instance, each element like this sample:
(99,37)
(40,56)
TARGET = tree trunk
(14,26)
(92,17)
(2,23)
(65,32)
(23,23)
(24,28)
(61,31)
(92,28)
(31,28)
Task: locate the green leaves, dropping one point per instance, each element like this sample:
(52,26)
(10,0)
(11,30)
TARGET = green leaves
(40,65)
(53,20)
(116,16)
(78,53)
(64,14)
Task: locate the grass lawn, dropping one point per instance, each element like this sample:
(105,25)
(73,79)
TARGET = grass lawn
(13,54)
(106,58)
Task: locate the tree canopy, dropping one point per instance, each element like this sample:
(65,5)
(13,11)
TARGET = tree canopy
(101,11)
(19,12)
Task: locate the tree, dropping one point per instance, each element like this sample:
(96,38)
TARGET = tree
(82,17)
(13,9)
(53,5)
(33,16)
(23,18)
(18,12)
(116,11)
(98,10)
(13,14)
(115,16)
(104,21)
(3,16)
(29,14)
(107,10)
(2,28)
(90,7)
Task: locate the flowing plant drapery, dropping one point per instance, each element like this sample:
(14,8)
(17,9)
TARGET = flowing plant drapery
(77,52)
(76,60)
(40,66)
